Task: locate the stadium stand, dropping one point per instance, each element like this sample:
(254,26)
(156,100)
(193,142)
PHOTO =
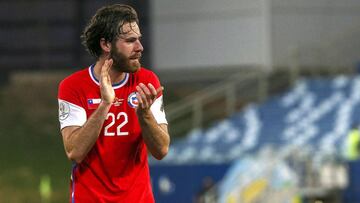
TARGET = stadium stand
(312,118)
(316,113)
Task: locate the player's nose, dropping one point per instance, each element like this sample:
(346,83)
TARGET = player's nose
(138,46)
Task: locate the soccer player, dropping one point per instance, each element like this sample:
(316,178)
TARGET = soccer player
(111,114)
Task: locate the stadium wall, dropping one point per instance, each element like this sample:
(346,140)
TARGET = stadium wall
(268,33)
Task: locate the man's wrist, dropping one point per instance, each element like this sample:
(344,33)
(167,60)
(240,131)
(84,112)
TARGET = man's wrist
(105,104)
(144,113)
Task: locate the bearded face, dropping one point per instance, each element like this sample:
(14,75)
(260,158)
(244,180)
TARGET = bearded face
(126,49)
(123,63)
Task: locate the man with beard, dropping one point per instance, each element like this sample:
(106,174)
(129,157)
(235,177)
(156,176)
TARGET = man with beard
(111,114)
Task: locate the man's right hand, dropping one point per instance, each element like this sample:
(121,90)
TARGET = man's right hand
(78,141)
(106,89)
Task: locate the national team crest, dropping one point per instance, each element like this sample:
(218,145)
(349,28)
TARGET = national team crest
(132,100)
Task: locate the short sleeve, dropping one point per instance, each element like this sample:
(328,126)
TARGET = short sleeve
(71,113)
(157,108)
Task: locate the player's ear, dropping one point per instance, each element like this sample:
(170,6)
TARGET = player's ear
(105,45)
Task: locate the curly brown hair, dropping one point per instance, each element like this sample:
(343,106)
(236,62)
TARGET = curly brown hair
(107,23)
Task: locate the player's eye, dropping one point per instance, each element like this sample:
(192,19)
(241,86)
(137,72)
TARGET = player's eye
(132,39)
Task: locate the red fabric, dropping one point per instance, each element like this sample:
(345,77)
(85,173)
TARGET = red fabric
(116,168)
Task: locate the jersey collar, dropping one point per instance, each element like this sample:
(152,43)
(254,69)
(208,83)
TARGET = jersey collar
(115,86)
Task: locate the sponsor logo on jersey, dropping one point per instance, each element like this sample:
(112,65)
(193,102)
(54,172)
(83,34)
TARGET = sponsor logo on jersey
(93,103)
(118,101)
(64,110)
(132,100)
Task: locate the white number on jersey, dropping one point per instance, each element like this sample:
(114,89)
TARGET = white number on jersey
(124,120)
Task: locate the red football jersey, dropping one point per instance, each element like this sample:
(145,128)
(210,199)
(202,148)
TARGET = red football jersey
(116,168)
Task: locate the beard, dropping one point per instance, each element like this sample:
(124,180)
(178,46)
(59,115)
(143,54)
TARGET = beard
(122,63)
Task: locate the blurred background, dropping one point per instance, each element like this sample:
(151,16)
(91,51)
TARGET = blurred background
(262,98)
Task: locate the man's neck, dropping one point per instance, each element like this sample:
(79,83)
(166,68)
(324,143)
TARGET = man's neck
(116,76)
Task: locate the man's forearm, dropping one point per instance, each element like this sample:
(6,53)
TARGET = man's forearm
(81,140)
(155,137)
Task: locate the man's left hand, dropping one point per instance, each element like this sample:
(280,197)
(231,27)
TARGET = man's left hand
(146,96)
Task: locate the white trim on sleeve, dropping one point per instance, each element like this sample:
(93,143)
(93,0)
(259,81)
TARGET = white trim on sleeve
(71,114)
(157,108)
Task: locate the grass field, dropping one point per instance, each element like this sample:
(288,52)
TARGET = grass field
(30,142)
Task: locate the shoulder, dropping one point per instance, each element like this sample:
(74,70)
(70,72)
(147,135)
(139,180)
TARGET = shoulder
(76,80)
(75,77)
(146,74)
(72,84)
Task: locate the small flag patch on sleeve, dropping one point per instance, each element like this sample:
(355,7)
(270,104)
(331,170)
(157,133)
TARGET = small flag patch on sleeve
(93,103)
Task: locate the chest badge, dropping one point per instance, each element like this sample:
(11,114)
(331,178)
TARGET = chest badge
(132,100)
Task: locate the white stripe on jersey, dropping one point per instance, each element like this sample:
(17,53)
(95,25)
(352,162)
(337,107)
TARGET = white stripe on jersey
(71,114)
(158,111)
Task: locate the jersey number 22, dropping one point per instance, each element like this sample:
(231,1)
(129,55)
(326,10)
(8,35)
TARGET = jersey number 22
(122,117)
